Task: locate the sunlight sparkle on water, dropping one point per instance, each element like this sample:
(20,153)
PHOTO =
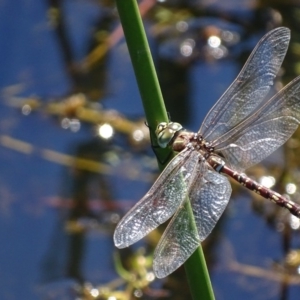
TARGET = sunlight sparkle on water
(138,293)
(187,47)
(94,293)
(150,276)
(214,41)
(291,188)
(72,124)
(294,222)
(182,26)
(105,131)
(267,181)
(26,109)
(138,135)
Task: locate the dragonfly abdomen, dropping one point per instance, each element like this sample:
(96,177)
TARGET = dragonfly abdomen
(254,186)
(263,191)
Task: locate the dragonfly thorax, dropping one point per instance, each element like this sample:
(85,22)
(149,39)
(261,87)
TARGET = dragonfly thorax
(172,134)
(194,141)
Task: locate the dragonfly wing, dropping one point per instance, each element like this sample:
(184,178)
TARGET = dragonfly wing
(177,244)
(250,87)
(160,203)
(209,201)
(209,195)
(179,241)
(264,131)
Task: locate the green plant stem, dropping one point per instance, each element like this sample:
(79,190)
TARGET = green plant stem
(142,62)
(155,111)
(196,269)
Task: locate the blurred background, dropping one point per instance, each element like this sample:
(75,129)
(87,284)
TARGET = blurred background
(75,153)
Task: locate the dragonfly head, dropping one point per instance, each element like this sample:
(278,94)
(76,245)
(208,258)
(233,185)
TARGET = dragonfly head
(165,132)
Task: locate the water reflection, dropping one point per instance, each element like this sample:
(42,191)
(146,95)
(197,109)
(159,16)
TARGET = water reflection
(87,206)
(77,214)
(71,80)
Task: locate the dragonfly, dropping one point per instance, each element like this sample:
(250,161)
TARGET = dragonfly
(240,130)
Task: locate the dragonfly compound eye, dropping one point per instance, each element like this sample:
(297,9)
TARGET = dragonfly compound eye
(165,137)
(174,126)
(160,127)
(165,133)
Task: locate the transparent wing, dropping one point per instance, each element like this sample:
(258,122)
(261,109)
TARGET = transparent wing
(264,131)
(179,241)
(160,203)
(176,245)
(209,195)
(250,87)
(210,201)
